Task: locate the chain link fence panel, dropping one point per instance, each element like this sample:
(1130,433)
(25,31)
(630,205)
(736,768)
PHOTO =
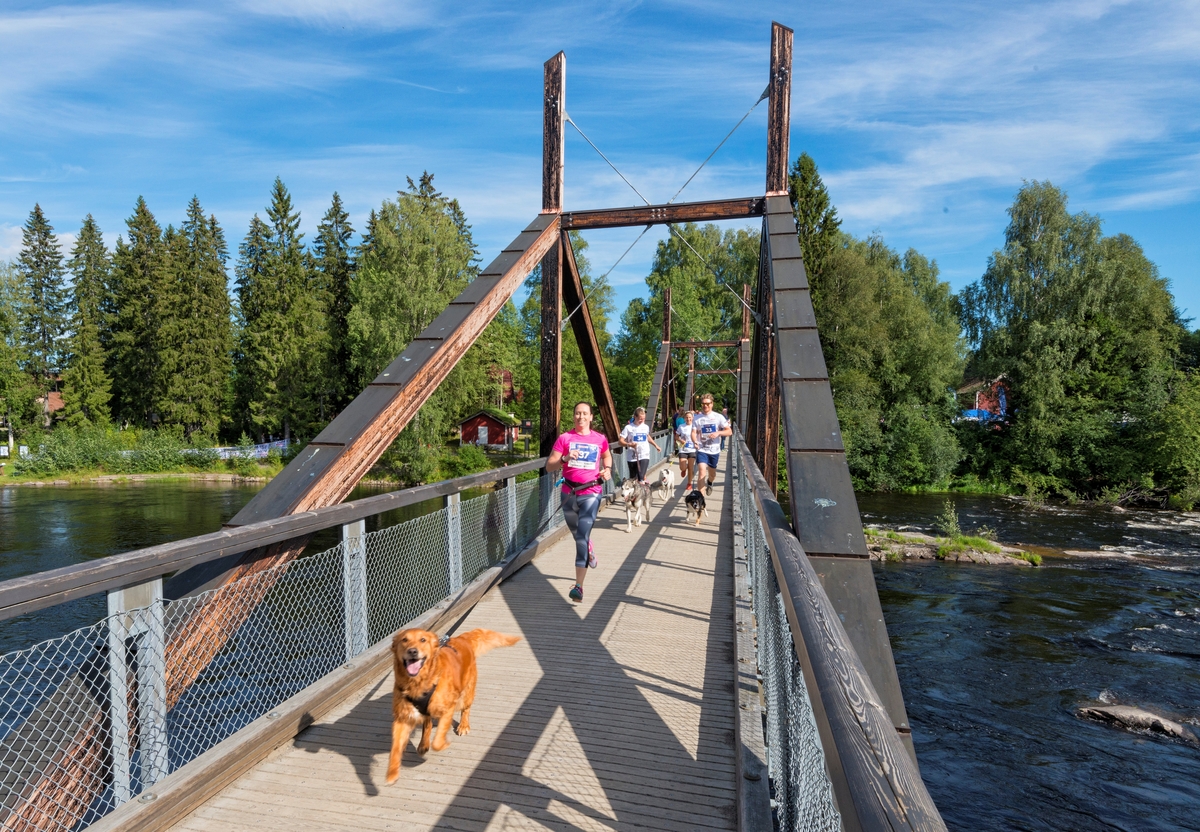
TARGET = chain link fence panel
(802,793)
(93,718)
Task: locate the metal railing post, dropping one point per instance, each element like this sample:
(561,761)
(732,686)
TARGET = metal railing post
(454,541)
(136,620)
(510,510)
(354,586)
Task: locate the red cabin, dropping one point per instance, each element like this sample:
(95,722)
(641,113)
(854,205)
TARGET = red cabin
(490,429)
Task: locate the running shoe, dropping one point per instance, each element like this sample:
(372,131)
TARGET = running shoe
(592,562)
(576,593)
(708,490)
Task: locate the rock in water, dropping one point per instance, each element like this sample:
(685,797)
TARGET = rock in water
(1128,716)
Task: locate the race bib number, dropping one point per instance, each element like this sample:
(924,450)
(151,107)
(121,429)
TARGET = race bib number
(707,429)
(584,456)
(640,437)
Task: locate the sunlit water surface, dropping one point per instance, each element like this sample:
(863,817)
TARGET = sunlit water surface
(994,661)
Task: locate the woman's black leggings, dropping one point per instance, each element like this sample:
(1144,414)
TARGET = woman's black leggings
(643,465)
(579,510)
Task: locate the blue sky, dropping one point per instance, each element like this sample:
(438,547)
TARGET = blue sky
(924,118)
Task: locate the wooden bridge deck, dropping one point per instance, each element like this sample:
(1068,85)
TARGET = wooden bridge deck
(614,714)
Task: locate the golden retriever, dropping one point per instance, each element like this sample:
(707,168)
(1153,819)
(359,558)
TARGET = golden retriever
(432,681)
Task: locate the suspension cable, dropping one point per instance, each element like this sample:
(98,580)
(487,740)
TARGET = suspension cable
(605,158)
(716,276)
(599,281)
(765,94)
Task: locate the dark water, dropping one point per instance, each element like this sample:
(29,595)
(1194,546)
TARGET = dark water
(54,526)
(995,660)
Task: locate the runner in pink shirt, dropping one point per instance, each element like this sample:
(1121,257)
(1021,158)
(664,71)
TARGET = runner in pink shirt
(586,463)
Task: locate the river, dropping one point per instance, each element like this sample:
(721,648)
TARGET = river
(993,660)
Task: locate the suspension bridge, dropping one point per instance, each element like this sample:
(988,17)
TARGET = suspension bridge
(734,674)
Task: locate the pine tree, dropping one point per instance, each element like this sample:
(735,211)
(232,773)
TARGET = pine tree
(282,335)
(254,300)
(334,264)
(18,393)
(86,385)
(195,344)
(44,313)
(134,355)
(817,222)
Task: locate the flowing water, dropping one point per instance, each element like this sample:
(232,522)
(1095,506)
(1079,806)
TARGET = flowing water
(995,660)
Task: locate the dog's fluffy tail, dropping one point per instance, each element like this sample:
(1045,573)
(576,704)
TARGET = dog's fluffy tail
(482,641)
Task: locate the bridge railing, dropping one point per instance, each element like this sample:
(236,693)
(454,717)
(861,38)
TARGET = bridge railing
(92,719)
(834,758)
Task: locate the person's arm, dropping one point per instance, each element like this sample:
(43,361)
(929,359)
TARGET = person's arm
(606,469)
(554,461)
(655,444)
(695,436)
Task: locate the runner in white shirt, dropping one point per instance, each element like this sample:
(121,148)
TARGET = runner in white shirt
(687,452)
(707,430)
(636,435)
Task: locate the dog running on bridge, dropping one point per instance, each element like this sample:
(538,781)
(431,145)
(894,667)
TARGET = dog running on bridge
(695,506)
(432,681)
(637,500)
(666,484)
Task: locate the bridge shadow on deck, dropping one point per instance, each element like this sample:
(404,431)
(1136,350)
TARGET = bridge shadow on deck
(614,714)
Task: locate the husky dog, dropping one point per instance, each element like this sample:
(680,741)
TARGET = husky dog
(637,499)
(695,505)
(666,483)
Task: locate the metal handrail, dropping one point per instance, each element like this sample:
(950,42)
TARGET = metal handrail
(876,784)
(55,586)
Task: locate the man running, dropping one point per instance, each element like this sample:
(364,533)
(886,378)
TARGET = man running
(707,430)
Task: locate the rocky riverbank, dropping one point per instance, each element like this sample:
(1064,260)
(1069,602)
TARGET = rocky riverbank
(894,547)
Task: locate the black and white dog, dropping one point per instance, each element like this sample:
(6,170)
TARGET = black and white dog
(695,505)
(637,499)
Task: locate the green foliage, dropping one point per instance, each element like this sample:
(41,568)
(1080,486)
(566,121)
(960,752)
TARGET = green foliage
(417,256)
(706,306)
(1085,332)
(1177,438)
(575,386)
(91,447)
(893,353)
(468,459)
(43,315)
(19,413)
(333,263)
(817,221)
(87,387)
(947,522)
(195,335)
(280,388)
(137,302)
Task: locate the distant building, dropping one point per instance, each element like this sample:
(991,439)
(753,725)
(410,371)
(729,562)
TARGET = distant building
(490,428)
(984,401)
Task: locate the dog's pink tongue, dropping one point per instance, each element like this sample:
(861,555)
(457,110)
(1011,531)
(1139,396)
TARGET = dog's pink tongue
(414,668)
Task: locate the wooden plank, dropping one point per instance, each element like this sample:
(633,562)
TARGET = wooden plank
(746,301)
(690,395)
(728,372)
(666,316)
(779,106)
(701,345)
(882,783)
(554,106)
(550,406)
(589,345)
(191,785)
(718,209)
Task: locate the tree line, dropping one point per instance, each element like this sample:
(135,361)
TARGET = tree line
(1100,369)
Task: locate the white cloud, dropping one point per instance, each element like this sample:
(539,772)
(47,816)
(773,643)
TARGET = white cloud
(389,14)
